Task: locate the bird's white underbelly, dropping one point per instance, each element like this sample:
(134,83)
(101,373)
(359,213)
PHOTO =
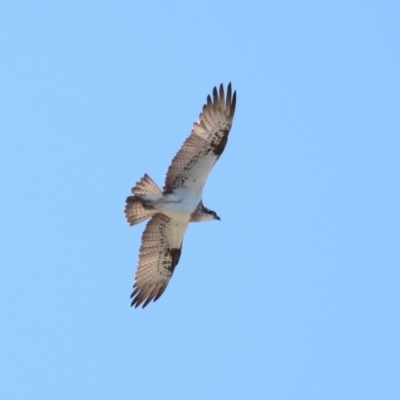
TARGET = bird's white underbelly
(181,203)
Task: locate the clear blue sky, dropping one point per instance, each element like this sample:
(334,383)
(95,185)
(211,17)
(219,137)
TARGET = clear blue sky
(295,293)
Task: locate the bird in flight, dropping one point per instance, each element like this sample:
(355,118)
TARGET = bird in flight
(180,201)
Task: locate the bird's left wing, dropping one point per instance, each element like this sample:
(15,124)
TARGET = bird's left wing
(158,256)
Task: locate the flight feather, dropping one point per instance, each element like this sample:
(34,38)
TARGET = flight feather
(158,256)
(201,150)
(180,202)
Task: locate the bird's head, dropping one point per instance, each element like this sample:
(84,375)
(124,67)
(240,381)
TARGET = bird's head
(209,215)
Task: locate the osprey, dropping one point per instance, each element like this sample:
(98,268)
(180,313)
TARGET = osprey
(180,201)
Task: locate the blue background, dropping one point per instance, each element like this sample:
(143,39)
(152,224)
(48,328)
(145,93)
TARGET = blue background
(295,293)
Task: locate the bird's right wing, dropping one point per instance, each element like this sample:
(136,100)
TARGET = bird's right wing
(201,150)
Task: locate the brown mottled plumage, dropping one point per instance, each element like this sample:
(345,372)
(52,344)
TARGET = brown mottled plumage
(180,201)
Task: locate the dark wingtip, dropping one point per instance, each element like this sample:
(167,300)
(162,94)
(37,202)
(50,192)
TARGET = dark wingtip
(145,296)
(230,100)
(137,301)
(233,105)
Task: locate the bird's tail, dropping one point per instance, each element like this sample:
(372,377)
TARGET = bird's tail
(138,207)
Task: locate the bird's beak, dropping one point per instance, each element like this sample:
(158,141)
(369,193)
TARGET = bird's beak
(217,218)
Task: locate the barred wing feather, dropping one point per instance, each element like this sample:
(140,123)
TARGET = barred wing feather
(201,150)
(158,256)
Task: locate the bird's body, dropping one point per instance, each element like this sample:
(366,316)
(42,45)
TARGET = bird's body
(180,202)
